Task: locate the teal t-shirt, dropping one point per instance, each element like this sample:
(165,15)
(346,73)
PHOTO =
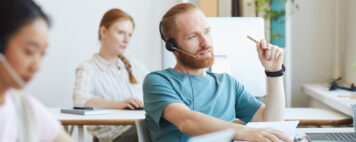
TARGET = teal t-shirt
(217,95)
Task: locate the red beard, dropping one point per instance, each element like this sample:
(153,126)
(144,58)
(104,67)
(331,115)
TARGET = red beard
(196,63)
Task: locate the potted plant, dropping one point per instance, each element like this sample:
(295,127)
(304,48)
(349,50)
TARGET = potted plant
(273,12)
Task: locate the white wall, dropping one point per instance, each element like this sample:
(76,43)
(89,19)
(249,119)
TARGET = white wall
(323,44)
(350,51)
(312,45)
(74,39)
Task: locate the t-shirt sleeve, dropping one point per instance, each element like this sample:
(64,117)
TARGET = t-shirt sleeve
(246,104)
(82,87)
(157,94)
(47,126)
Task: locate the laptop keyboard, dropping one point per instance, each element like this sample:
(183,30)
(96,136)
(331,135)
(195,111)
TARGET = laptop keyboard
(341,136)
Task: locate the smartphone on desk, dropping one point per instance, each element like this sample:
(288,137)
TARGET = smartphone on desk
(83,108)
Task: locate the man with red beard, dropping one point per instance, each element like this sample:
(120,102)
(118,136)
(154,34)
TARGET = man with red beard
(187,100)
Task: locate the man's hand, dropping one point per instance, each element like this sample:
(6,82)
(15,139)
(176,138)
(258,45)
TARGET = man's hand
(271,56)
(262,135)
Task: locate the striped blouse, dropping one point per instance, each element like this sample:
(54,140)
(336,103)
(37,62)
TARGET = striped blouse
(101,78)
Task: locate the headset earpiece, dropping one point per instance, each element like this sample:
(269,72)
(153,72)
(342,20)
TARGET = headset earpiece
(171,45)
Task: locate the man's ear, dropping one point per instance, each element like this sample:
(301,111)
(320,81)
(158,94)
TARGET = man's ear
(103,31)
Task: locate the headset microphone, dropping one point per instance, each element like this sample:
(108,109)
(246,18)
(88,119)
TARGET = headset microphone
(185,52)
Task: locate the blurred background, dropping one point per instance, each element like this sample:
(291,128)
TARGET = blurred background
(318,37)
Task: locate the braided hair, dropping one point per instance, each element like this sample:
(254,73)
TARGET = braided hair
(129,69)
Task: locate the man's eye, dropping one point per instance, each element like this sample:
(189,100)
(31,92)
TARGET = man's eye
(193,36)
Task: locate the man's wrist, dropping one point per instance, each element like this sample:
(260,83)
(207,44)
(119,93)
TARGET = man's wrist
(240,130)
(276,73)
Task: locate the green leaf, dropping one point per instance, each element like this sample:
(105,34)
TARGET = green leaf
(283,12)
(354,65)
(276,36)
(274,15)
(265,17)
(249,4)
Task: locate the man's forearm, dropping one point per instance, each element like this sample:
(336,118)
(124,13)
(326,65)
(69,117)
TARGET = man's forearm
(275,105)
(198,123)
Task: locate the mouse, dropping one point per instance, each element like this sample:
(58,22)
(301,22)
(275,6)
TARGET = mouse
(140,108)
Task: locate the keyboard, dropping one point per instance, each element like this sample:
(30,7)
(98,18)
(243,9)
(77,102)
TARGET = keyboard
(341,136)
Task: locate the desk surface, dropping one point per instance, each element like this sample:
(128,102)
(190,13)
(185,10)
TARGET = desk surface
(338,99)
(116,117)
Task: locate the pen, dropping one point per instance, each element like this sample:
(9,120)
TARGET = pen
(299,139)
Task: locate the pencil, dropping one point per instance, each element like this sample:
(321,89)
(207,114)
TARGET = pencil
(254,40)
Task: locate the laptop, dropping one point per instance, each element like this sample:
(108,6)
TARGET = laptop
(335,136)
(332,137)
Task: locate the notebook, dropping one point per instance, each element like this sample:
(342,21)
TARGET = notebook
(86,111)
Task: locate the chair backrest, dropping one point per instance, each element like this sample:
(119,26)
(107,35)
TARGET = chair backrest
(142,132)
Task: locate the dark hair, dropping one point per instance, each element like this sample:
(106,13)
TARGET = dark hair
(15,14)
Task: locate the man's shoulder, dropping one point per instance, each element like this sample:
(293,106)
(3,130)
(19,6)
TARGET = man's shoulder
(158,75)
(164,72)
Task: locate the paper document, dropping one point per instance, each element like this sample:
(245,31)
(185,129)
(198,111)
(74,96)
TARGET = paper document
(219,136)
(288,127)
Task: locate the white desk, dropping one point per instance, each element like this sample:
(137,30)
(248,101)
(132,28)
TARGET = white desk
(116,117)
(338,99)
(302,131)
(317,116)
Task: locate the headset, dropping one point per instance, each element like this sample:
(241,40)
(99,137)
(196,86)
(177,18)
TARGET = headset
(171,45)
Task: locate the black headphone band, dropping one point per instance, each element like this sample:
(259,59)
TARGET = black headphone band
(160,31)
(171,44)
